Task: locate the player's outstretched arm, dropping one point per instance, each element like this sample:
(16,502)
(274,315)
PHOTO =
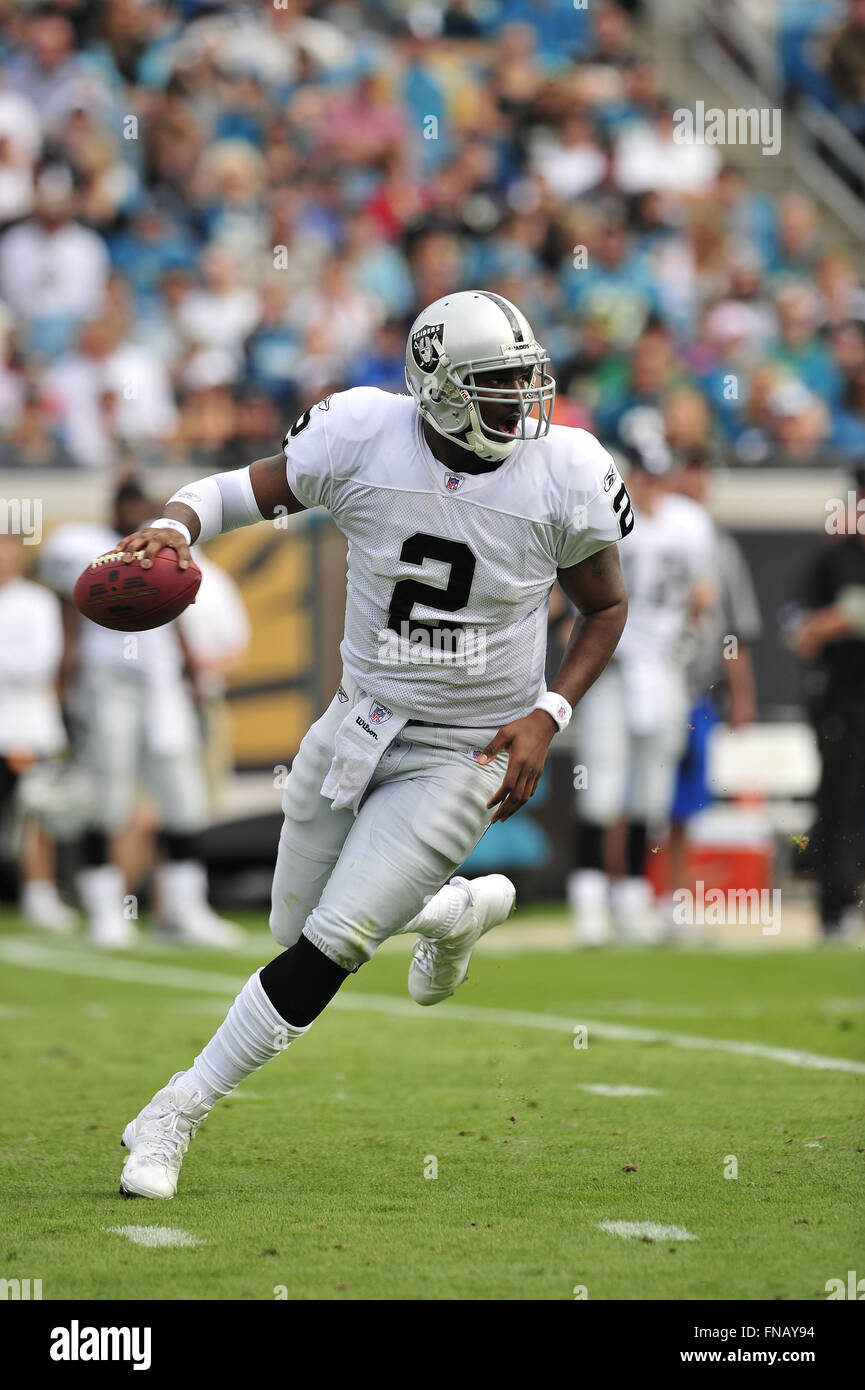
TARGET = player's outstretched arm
(597,588)
(212,505)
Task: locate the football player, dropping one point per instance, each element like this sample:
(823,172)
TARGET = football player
(134,720)
(31,728)
(461,505)
(632,727)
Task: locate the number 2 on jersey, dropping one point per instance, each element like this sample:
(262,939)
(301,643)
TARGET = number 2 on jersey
(624,512)
(408,592)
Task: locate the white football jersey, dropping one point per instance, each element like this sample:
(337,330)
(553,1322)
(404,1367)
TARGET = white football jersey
(673,549)
(31,644)
(449,574)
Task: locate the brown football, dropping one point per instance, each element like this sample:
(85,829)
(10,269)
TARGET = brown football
(127,598)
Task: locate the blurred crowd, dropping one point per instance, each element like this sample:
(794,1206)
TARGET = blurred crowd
(822,50)
(212,214)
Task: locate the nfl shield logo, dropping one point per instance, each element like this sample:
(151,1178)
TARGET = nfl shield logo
(452,482)
(379,714)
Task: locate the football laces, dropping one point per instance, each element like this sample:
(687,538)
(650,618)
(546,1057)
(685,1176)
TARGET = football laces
(113,558)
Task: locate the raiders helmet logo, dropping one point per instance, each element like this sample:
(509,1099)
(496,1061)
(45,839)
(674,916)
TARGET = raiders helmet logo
(423,348)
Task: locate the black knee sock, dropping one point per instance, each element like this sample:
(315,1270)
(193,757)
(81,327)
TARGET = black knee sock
(590,845)
(638,834)
(94,848)
(179,846)
(301,981)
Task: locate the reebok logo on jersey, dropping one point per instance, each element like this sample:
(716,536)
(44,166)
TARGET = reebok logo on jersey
(610,478)
(363,724)
(341,695)
(379,714)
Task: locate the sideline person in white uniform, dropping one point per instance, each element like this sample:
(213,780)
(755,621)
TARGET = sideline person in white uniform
(136,725)
(632,725)
(31,727)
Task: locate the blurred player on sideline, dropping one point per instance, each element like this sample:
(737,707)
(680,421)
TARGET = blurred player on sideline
(720,672)
(136,722)
(632,724)
(826,628)
(31,727)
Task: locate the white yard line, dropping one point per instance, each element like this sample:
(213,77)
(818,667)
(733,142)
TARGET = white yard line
(645,1230)
(603,1090)
(155,1236)
(30,955)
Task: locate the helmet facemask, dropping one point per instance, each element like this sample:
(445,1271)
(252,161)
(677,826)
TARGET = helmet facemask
(454,393)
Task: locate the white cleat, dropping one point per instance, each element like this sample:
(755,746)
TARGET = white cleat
(184,912)
(157,1139)
(43,908)
(439,965)
(111,932)
(197,924)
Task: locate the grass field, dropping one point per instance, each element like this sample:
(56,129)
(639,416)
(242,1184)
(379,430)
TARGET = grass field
(310,1181)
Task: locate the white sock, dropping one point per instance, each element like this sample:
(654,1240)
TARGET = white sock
(41,893)
(102,888)
(441,912)
(588,889)
(253,1033)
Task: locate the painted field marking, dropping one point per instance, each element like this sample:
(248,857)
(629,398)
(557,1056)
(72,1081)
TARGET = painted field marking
(31,956)
(645,1230)
(155,1236)
(601,1090)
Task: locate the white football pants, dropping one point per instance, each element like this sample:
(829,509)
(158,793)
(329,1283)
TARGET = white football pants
(139,733)
(350,882)
(630,773)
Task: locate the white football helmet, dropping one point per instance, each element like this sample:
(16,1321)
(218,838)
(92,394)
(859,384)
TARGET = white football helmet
(450,346)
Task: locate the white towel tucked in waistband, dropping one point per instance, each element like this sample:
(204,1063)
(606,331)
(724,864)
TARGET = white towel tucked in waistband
(361,739)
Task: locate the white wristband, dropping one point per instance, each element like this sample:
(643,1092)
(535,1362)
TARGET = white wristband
(170,523)
(556,706)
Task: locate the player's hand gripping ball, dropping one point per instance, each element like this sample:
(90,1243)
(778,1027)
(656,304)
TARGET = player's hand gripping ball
(123,596)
